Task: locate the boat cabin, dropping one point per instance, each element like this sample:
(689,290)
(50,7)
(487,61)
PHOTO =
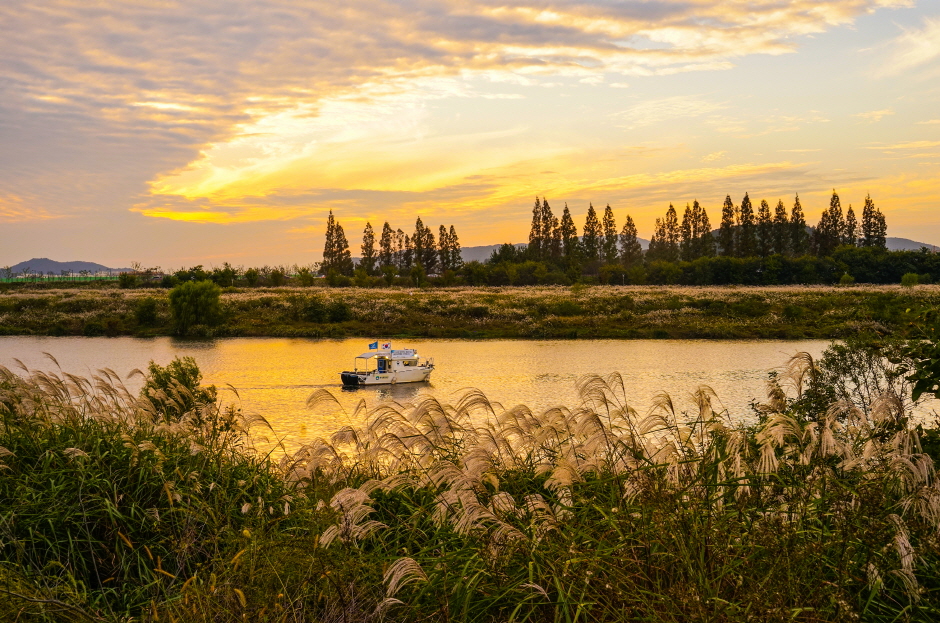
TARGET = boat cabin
(386,361)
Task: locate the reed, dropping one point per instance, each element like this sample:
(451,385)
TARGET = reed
(467,512)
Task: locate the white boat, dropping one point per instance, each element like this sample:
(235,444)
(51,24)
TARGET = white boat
(388,367)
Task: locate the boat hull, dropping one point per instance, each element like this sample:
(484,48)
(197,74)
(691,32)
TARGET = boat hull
(355,379)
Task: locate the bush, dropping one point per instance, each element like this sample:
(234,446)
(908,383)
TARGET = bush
(251,277)
(909,280)
(146,311)
(195,303)
(846,279)
(127,280)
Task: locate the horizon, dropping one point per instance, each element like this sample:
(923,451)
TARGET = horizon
(188,135)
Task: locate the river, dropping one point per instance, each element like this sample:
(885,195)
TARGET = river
(274,377)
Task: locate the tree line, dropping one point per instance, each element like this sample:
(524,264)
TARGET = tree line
(397,254)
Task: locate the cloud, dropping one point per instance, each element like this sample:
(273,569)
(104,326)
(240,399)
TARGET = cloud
(873,116)
(653,112)
(913,48)
(931,122)
(718,155)
(15,209)
(906,145)
(227,104)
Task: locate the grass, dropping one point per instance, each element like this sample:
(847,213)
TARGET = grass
(781,312)
(110,510)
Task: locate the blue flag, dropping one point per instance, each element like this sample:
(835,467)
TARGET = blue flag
(374,346)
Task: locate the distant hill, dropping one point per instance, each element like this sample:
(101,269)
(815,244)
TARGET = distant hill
(904,244)
(45,265)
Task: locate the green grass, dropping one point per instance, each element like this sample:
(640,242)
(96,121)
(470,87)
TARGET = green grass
(111,510)
(784,312)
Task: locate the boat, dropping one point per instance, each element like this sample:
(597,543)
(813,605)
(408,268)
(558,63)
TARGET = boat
(387,366)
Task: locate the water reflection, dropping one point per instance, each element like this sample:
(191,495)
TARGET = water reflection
(274,377)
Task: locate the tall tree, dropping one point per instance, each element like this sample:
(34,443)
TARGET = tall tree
(417,243)
(609,246)
(781,229)
(799,241)
(830,230)
(343,258)
(443,248)
(687,234)
(850,232)
(569,235)
(329,246)
(407,255)
(765,243)
(400,247)
(705,241)
(630,250)
(671,235)
(455,260)
(746,243)
(369,258)
(726,229)
(548,219)
(428,251)
(555,246)
(874,231)
(591,239)
(387,246)
(535,231)
(657,247)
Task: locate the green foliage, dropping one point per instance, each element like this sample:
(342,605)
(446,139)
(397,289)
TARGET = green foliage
(195,303)
(176,388)
(846,279)
(127,280)
(922,354)
(146,311)
(251,277)
(909,280)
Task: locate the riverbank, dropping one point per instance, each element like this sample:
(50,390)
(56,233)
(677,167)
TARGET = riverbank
(727,312)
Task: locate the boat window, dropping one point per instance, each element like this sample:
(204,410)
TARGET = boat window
(411,362)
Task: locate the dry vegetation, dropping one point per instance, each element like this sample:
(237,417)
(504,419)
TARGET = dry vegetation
(788,312)
(112,510)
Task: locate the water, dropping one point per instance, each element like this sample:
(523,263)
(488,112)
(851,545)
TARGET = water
(274,377)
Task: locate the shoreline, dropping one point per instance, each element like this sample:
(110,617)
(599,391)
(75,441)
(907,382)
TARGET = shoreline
(534,312)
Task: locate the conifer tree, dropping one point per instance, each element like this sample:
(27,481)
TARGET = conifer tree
(343,258)
(545,243)
(765,243)
(400,249)
(705,246)
(443,248)
(746,243)
(387,246)
(830,230)
(781,229)
(656,250)
(850,233)
(630,250)
(591,239)
(534,249)
(671,235)
(368,260)
(799,242)
(455,260)
(726,230)
(569,235)
(417,244)
(555,247)
(687,234)
(329,246)
(868,221)
(407,256)
(610,237)
(428,251)
(881,231)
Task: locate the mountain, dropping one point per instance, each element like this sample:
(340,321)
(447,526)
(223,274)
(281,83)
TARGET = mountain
(904,244)
(45,265)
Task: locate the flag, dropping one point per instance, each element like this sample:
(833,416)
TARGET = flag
(374,346)
(386,345)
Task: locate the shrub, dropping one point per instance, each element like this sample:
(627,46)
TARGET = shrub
(909,280)
(146,311)
(251,277)
(127,280)
(195,303)
(846,279)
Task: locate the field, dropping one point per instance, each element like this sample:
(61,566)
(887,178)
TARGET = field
(785,312)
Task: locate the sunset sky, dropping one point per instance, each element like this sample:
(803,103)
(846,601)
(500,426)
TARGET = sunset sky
(175,133)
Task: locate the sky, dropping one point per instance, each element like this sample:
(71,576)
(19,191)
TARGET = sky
(175,133)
